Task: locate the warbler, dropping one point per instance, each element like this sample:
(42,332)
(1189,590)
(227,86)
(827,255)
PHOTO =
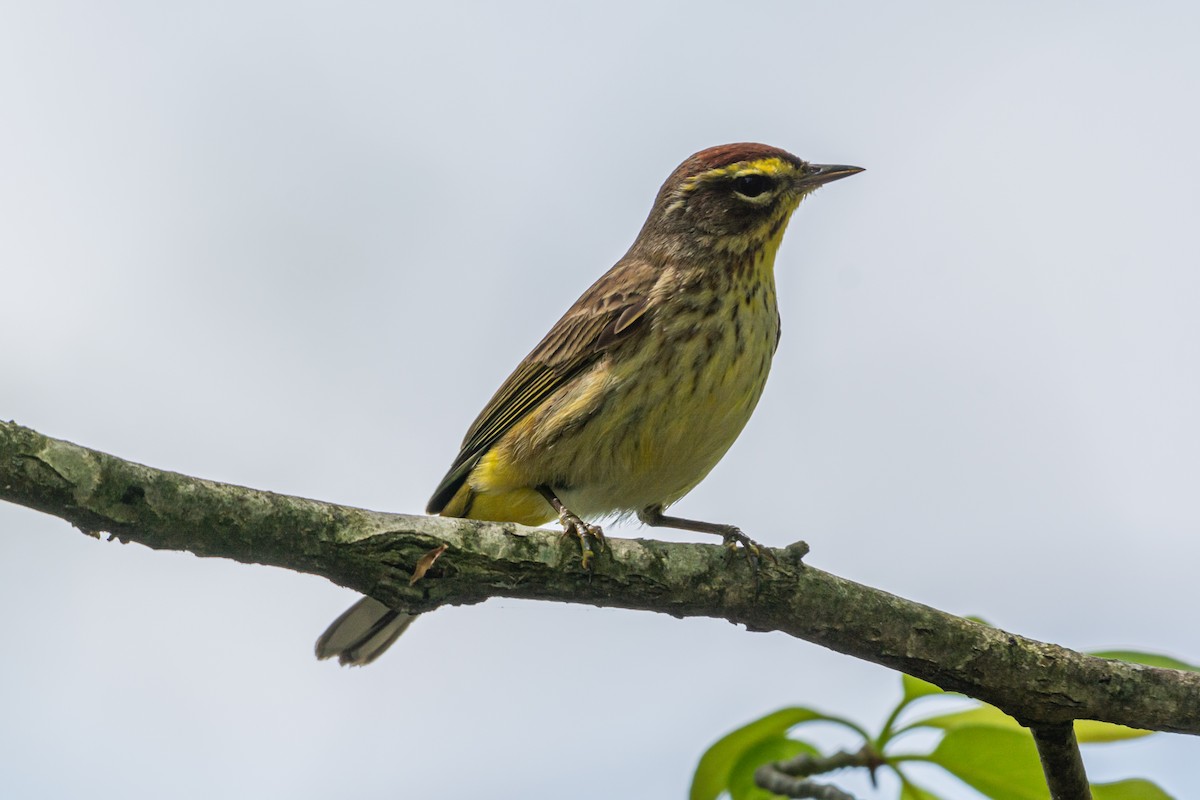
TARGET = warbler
(637,392)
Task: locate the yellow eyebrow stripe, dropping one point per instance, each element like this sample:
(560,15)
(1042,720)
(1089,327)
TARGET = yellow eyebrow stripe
(763,166)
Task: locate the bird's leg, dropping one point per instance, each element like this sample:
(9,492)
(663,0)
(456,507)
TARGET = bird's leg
(731,535)
(591,537)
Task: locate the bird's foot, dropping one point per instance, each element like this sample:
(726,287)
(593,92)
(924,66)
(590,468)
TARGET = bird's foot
(737,543)
(734,540)
(591,537)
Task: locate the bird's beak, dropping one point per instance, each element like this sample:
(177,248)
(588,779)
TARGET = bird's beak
(817,174)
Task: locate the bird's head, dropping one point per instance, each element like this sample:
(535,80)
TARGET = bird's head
(733,198)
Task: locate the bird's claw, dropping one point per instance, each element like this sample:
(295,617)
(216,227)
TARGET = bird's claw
(736,543)
(591,538)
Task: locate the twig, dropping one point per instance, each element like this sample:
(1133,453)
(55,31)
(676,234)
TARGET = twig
(1061,761)
(791,778)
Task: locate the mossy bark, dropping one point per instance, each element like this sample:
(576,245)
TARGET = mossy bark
(376,554)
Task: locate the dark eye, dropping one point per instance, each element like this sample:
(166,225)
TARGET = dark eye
(753,185)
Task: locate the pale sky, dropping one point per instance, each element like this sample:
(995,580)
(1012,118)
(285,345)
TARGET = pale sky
(296,246)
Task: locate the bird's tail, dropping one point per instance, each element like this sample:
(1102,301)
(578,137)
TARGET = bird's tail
(368,627)
(362,633)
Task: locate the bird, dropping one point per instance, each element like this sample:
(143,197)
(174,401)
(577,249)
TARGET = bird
(636,393)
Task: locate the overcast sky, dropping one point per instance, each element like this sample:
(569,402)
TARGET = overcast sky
(296,246)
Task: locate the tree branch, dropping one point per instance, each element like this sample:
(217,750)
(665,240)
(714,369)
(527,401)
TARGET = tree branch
(376,554)
(1062,763)
(791,778)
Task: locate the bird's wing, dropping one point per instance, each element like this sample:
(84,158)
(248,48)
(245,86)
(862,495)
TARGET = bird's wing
(613,310)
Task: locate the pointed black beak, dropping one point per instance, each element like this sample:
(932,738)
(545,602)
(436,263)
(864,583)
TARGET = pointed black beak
(817,174)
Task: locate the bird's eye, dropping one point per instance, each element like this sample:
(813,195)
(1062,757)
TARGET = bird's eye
(753,185)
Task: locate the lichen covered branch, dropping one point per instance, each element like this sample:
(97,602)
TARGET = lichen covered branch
(378,553)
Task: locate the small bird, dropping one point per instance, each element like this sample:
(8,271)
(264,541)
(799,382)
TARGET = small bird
(638,391)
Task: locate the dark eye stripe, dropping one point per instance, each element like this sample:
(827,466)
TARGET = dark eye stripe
(753,185)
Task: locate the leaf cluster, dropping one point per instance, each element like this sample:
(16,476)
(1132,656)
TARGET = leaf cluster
(980,745)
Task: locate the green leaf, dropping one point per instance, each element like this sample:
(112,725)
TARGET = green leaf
(1089,731)
(1149,659)
(915,687)
(983,715)
(1086,731)
(779,748)
(999,763)
(716,765)
(910,791)
(1129,790)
